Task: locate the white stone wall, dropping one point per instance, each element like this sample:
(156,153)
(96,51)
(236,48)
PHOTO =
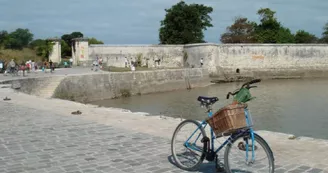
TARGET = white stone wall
(113,55)
(221,59)
(272,59)
(272,56)
(81,54)
(55,55)
(209,53)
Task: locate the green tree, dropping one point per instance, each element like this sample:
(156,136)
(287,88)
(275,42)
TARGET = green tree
(45,50)
(36,43)
(95,41)
(3,37)
(19,39)
(266,14)
(324,38)
(267,30)
(302,36)
(68,40)
(241,31)
(76,35)
(65,48)
(284,35)
(270,30)
(184,24)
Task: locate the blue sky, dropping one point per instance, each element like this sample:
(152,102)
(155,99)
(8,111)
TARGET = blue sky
(138,21)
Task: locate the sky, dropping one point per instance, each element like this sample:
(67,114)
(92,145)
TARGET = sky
(138,21)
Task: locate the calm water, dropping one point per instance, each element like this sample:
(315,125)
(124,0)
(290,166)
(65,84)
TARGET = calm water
(293,106)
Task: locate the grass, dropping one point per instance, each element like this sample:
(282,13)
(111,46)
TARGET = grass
(19,55)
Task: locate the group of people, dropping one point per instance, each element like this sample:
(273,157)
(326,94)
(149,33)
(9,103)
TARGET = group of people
(132,64)
(97,64)
(13,67)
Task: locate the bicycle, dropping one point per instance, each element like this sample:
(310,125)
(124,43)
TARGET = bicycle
(250,141)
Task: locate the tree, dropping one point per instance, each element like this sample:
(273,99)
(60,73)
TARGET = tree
(65,48)
(37,43)
(241,31)
(3,37)
(18,39)
(95,41)
(302,36)
(68,40)
(270,30)
(284,35)
(184,24)
(45,49)
(324,38)
(76,35)
(266,14)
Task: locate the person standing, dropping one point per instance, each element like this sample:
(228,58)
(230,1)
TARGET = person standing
(33,66)
(100,62)
(12,66)
(45,66)
(71,62)
(126,62)
(201,62)
(1,66)
(23,67)
(51,66)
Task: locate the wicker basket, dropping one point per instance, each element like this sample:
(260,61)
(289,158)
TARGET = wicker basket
(228,119)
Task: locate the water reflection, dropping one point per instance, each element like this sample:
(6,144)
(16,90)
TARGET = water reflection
(295,106)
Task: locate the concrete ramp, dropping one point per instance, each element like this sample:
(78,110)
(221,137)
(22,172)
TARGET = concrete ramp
(48,89)
(40,86)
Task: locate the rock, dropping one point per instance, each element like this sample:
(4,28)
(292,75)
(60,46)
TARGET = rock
(291,137)
(77,112)
(7,99)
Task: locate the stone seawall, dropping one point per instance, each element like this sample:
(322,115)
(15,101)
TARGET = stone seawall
(223,60)
(273,61)
(86,88)
(91,87)
(261,60)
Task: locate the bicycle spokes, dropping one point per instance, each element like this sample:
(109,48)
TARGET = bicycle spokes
(247,155)
(187,148)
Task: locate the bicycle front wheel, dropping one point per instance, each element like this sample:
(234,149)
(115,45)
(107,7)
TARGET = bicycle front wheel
(187,149)
(239,155)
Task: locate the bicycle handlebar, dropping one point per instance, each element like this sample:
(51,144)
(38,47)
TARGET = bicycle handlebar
(251,82)
(247,84)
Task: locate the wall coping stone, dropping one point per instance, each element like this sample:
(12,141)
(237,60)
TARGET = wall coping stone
(199,44)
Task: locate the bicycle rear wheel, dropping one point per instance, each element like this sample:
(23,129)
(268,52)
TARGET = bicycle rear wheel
(187,149)
(238,156)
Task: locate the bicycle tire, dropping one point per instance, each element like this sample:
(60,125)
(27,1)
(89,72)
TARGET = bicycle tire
(177,162)
(260,141)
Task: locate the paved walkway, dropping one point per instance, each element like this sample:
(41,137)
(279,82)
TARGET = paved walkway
(40,135)
(59,71)
(38,141)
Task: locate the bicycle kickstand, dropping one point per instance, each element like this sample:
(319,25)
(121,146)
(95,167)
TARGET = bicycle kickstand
(219,167)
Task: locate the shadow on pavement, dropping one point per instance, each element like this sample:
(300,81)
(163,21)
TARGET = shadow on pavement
(206,167)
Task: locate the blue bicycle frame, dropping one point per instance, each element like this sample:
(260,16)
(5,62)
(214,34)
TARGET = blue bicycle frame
(229,140)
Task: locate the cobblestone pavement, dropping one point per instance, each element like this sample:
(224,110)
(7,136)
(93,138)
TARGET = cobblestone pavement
(38,141)
(42,141)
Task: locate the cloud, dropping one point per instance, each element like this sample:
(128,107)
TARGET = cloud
(138,21)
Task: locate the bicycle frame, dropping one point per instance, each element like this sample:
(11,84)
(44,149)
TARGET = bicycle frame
(232,137)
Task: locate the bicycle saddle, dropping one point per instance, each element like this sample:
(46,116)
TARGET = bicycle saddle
(208,100)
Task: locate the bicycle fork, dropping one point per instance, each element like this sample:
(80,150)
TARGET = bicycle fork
(253,148)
